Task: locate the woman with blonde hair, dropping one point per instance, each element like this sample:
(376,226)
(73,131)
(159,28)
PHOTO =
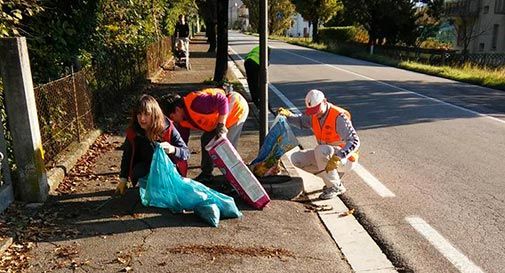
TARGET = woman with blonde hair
(147,126)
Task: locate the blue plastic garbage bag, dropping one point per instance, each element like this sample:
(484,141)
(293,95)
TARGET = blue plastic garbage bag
(278,141)
(164,187)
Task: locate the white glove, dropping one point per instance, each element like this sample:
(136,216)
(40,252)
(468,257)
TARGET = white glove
(167,147)
(343,161)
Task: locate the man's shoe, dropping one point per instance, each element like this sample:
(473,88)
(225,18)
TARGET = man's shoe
(332,192)
(204,178)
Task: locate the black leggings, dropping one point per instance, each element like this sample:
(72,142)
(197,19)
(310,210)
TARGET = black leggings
(253,80)
(140,170)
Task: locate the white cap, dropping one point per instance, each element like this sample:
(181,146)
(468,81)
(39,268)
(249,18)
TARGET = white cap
(313,101)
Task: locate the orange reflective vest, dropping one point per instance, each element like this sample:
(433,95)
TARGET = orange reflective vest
(208,122)
(327,133)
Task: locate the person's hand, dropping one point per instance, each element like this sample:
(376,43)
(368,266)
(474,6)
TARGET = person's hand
(121,186)
(284,112)
(220,130)
(167,147)
(334,162)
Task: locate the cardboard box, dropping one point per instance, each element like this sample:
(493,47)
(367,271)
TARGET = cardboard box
(227,159)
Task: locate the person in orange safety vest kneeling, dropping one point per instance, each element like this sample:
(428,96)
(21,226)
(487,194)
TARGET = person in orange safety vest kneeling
(338,142)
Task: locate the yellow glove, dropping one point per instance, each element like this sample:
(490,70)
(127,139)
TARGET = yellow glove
(284,112)
(332,164)
(121,186)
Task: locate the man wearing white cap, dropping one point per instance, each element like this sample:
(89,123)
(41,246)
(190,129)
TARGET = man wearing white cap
(338,142)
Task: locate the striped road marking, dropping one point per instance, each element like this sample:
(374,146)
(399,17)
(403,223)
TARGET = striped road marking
(395,87)
(458,259)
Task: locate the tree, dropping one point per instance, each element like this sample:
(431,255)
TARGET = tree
(464,15)
(388,21)
(428,20)
(208,11)
(317,12)
(12,12)
(280,13)
(222,42)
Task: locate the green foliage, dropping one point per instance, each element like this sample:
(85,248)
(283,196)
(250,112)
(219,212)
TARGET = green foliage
(174,9)
(494,78)
(387,21)
(280,13)
(428,21)
(58,35)
(318,10)
(342,34)
(12,12)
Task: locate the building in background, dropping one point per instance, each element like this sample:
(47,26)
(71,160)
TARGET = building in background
(491,23)
(238,15)
(300,27)
(485,21)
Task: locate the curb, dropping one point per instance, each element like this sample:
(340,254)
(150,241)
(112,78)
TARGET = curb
(68,158)
(357,246)
(360,250)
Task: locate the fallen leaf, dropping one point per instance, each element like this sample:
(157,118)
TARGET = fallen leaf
(126,269)
(346,213)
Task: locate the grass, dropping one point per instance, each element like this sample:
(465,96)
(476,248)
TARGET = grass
(494,78)
(489,77)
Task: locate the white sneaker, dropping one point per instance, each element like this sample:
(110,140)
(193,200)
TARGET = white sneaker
(332,192)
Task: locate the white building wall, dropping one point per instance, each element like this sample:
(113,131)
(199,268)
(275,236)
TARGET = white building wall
(233,11)
(487,19)
(300,27)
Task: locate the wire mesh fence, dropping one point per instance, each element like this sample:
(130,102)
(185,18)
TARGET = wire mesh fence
(65,113)
(157,54)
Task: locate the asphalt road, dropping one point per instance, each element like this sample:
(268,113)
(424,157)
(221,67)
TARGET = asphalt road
(431,150)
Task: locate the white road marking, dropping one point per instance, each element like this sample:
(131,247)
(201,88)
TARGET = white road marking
(458,259)
(373,182)
(286,101)
(291,106)
(365,175)
(395,87)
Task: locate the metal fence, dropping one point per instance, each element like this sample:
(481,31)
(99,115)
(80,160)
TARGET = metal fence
(442,56)
(65,112)
(157,54)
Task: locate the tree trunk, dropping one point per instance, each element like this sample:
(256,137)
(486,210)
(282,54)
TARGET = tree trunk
(315,26)
(210,18)
(210,29)
(222,42)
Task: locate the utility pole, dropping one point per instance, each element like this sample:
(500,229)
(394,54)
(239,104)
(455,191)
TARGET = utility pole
(263,88)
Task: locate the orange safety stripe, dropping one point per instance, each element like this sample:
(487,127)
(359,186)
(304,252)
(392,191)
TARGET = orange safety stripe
(327,133)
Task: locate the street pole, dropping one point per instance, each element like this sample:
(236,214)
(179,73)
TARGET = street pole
(263,28)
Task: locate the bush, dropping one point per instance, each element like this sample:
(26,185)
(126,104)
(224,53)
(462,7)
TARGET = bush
(343,34)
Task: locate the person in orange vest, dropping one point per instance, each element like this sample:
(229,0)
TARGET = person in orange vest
(147,126)
(338,142)
(212,111)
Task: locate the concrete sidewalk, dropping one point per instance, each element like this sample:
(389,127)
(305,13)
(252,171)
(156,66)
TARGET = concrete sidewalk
(84,229)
